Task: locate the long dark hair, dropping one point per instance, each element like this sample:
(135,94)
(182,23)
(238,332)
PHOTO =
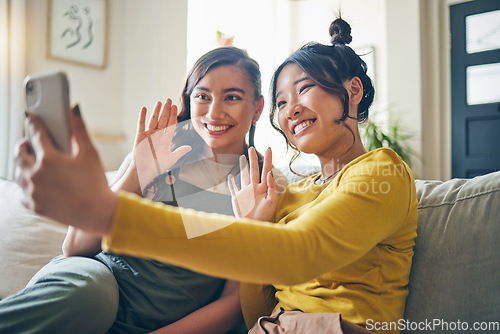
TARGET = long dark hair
(215,58)
(329,66)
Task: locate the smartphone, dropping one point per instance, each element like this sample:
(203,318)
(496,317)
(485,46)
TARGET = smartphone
(47,96)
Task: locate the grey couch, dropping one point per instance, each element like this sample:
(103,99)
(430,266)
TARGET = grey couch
(455,277)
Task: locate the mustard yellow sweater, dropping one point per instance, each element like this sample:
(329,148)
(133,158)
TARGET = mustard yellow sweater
(342,247)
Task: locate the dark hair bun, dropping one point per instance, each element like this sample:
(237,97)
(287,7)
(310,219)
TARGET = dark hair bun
(340,31)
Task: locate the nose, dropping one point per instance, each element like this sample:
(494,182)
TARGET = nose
(216,110)
(294,110)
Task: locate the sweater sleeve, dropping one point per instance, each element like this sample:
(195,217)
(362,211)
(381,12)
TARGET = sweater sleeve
(340,226)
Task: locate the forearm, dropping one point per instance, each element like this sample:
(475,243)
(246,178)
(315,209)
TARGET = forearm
(315,240)
(224,252)
(126,178)
(128,182)
(219,316)
(80,243)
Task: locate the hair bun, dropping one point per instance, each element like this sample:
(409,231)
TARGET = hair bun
(340,31)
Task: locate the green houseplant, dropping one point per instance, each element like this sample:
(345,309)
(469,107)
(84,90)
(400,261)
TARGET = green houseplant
(395,137)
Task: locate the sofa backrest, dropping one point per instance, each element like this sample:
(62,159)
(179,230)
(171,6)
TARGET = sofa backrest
(27,240)
(455,273)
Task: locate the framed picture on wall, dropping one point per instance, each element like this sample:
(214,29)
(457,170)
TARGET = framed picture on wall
(77,31)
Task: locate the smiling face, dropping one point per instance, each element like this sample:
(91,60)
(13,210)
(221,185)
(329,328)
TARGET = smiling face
(308,115)
(223,107)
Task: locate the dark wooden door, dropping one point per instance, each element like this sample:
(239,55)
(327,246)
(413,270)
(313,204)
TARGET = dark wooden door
(475,87)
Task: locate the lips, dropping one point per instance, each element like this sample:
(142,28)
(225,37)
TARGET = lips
(217,128)
(302,125)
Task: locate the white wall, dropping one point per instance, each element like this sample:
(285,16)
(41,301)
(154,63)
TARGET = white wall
(404,70)
(154,56)
(261,27)
(146,63)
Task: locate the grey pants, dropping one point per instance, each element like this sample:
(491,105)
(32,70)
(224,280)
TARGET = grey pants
(68,295)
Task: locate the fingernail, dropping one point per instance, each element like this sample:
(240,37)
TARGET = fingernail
(76,110)
(26,114)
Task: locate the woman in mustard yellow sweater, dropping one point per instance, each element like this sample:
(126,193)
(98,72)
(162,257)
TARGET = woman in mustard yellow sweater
(343,238)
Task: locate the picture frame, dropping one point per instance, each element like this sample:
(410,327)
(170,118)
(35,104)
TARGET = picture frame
(77,32)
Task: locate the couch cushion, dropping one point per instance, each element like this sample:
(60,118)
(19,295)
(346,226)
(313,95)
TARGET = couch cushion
(27,241)
(456,266)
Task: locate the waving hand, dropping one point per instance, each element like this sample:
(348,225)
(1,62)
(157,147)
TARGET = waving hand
(255,200)
(153,153)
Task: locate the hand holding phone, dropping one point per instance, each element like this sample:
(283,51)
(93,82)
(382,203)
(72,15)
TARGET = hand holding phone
(47,96)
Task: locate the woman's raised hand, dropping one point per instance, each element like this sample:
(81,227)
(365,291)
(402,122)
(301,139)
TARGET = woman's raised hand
(255,200)
(153,153)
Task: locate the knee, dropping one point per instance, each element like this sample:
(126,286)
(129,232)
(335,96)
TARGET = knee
(92,292)
(79,286)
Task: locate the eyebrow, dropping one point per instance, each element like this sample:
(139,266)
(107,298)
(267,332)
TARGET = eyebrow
(301,79)
(227,90)
(234,89)
(201,88)
(295,83)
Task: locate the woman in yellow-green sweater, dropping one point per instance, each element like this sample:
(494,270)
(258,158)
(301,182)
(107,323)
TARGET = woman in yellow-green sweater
(344,237)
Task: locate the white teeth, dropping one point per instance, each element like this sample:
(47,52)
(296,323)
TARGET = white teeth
(302,125)
(217,127)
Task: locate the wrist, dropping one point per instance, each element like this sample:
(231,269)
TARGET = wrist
(111,205)
(100,220)
(133,165)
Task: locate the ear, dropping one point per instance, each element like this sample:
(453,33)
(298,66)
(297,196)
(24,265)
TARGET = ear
(258,110)
(355,89)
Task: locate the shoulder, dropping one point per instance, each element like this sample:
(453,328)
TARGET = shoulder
(380,175)
(380,155)
(382,162)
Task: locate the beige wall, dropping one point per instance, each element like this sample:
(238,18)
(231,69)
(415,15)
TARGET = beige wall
(146,62)
(404,70)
